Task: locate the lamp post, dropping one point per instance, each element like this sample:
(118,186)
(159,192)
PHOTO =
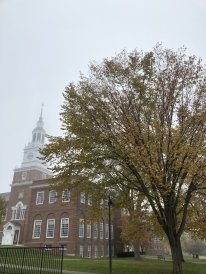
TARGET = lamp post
(110,240)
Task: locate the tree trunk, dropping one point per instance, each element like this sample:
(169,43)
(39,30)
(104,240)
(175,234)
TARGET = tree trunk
(180,250)
(136,251)
(176,255)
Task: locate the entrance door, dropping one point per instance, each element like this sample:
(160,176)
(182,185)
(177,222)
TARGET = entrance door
(8,236)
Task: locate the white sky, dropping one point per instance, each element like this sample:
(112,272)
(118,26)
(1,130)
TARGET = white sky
(44,44)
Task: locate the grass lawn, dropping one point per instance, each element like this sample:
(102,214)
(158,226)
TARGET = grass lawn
(129,266)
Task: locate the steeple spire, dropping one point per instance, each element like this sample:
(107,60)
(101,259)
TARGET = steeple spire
(41,118)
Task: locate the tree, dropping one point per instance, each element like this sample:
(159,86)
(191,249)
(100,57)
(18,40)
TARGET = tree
(2,209)
(192,246)
(143,115)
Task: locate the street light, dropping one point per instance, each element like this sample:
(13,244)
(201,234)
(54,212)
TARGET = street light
(110,203)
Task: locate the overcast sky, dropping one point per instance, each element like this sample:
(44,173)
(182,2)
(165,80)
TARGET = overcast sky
(44,44)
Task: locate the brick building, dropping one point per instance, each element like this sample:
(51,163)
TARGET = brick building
(37,217)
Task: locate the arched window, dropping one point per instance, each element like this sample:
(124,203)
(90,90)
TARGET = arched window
(39,137)
(18,211)
(34,137)
(9,228)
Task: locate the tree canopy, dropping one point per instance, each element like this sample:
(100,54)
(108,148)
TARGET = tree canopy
(2,209)
(137,121)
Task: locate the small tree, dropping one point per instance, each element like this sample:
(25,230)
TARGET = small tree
(143,114)
(2,209)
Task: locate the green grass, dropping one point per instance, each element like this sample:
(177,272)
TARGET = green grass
(129,266)
(101,265)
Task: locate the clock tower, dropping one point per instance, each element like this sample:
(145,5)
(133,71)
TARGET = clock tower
(32,167)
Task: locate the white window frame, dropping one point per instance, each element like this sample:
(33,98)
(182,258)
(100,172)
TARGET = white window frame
(62,229)
(112,232)
(101,231)
(35,228)
(81,251)
(102,250)
(65,197)
(81,228)
(89,200)
(96,251)
(107,250)
(18,211)
(24,175)
(82,197)
(63,247)
(89,230)
(106,231)
(95,230)
(39,200)
(89,251)
(52,198)
(47,228)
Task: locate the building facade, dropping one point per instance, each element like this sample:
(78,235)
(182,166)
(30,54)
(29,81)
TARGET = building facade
(37,217)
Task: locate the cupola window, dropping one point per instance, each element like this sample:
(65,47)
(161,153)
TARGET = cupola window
(39,137)
(34,137)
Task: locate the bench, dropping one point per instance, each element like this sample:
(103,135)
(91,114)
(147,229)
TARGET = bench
(160,257)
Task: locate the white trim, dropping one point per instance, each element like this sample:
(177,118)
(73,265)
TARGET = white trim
(37,198)
(55,198)
(47,228)
(39,230)
(21,184)
(61,228)
(39,186)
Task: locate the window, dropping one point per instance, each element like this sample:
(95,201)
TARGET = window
(62,247)
(82,197)
(48,247)
(37,229)
(89,230)
(64,231)
(81,250)
(96,251)
(102,251)
(38,137)
(40,198)
(101,231)
(106,231)
(66,196)
(95,230)
(24,175)
(50,228)
(89,200)
(18,211)
(89,249)
(43,176)
(52,197)
(81,228)
(112,232)
(107,250)
(34,137)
